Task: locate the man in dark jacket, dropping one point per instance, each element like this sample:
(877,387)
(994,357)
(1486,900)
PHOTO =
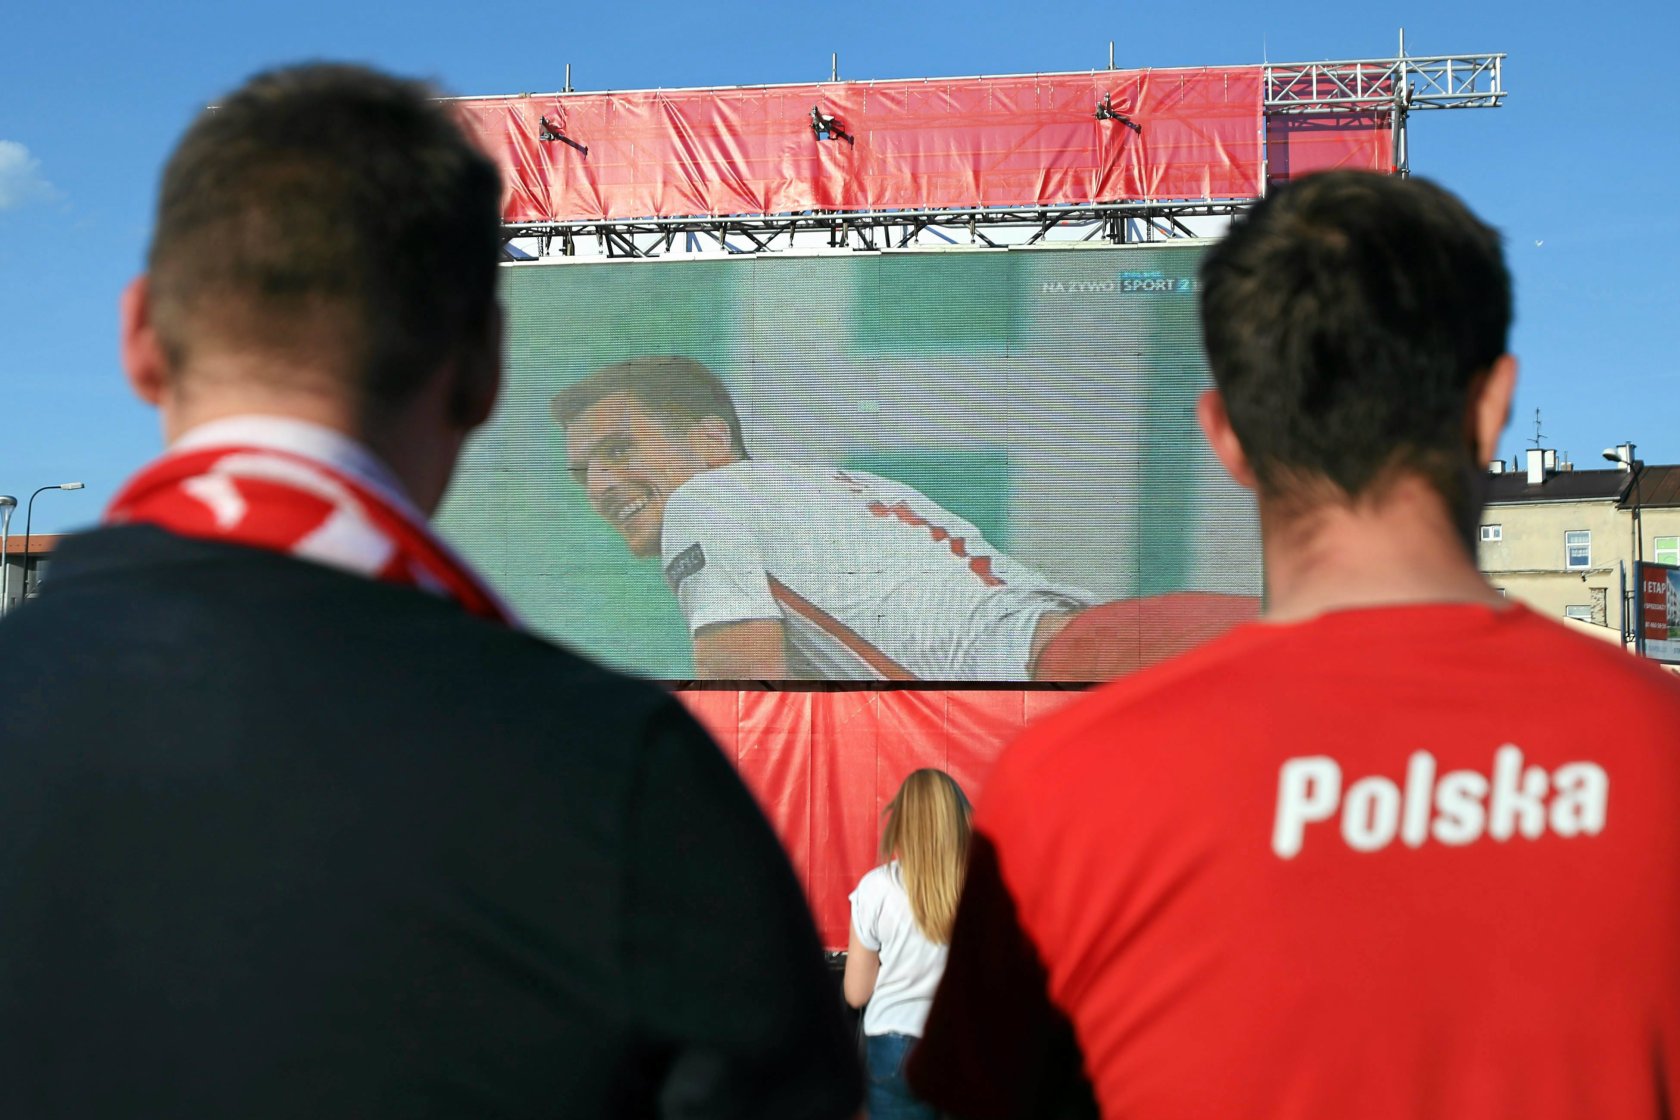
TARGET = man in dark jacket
(294,820)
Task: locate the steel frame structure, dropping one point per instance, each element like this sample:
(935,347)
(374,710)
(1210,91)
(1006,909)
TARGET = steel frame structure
(1396,86)
(872,231)
(1393,85)
(1458,81)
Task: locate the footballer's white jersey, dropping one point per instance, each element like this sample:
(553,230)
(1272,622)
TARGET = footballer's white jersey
(872,580)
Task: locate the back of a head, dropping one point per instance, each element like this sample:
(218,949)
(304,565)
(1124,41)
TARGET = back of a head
(679,391)
(1346,319)
(329,222)
(927,831)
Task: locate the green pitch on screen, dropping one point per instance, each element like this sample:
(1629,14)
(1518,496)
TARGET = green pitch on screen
(974,485)
(514,511)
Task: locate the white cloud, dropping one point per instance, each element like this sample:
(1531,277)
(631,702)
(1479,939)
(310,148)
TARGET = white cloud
(21,181)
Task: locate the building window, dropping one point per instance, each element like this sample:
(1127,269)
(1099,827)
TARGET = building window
(1667,551)
(1493,532)
(1577,546)
(1579,612)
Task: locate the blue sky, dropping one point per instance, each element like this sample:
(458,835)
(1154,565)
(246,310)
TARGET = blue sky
(1579,168)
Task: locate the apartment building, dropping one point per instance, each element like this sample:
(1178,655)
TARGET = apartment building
(1564,540)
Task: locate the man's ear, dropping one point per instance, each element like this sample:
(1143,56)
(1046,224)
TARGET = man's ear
(711,440)
(478,375)
(1216,426)
(143,359)
(1490,407)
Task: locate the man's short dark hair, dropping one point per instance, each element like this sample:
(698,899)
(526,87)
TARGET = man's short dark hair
(674,389)
(1346,319)
(331,217)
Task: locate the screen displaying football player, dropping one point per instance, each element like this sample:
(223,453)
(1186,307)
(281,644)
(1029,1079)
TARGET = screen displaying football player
(787,570)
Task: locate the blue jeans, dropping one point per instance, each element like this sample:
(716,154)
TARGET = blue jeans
(890,1097)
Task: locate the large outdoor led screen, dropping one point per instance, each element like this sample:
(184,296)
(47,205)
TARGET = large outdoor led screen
(962,465)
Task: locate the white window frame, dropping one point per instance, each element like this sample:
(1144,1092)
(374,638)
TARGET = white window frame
(1580,612)
(1666,554)
(1493,533)
(1570,545)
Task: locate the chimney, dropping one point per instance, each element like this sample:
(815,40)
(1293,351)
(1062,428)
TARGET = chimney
(1496,467)
(1536,466)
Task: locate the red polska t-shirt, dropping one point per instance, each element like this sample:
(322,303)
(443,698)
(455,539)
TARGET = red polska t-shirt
(1403,862)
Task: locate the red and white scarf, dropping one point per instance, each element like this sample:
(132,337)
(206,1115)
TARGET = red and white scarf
(293,487)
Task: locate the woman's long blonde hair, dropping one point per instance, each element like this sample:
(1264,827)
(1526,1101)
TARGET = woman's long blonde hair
(927,831)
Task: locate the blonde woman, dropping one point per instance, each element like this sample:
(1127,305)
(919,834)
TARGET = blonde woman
(901,922)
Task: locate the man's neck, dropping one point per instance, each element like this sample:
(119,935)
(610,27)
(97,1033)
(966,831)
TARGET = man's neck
(1402,548)
(418,446)
(326,446)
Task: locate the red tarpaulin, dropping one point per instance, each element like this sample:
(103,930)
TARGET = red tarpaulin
(913,145)
(824,764)
(1299,144)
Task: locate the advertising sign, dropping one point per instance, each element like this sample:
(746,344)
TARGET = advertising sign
(1659,611)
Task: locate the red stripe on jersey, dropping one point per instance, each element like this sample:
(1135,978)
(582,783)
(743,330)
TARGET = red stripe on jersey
(791,600)
(981,566)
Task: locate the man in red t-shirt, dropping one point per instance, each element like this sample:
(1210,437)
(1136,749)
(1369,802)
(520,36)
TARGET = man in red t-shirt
(1399,849)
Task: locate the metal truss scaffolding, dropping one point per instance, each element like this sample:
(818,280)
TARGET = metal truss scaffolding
(1394,86)
(1460,81)
(1373,88)
(993,227)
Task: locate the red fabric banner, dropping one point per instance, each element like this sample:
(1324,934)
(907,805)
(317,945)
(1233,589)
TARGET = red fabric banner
(1298,144)
(824,764)
(901,145)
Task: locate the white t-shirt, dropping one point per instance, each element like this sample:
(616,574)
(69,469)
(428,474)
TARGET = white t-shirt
(872,580)
(910,964)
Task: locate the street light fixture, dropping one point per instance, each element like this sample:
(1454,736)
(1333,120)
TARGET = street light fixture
(1622,456)
(7,505)
(28,517)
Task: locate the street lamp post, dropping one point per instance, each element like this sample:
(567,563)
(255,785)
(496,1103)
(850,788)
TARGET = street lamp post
(1622,456)
(28,517)
(7,505)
